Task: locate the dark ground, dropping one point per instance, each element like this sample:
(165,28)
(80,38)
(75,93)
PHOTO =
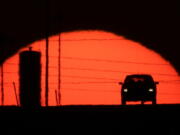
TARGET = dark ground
(131,119)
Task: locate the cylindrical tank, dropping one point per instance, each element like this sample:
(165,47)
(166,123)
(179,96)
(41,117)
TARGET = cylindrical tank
(30,79)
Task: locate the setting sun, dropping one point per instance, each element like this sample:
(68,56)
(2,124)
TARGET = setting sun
(92,64)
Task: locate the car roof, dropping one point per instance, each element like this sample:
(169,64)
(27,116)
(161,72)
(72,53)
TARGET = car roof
(147,76)
(139,75)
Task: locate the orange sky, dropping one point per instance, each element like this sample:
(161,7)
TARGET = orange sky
(92,64)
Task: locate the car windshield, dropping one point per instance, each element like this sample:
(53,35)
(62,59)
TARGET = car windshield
(135,79)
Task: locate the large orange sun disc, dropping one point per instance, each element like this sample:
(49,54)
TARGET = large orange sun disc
(92,64)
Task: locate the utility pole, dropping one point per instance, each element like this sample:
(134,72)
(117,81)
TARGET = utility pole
(47,54)
(59,71)
(15,92)
(56,96)
(47,72)
(2,85)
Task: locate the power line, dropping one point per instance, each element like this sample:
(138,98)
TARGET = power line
(104,70)
(107,70)
(10,63)
(112,91)
(169,80)
(11,72)
(112,61)
(86,39)
(86,82)
(72,68)
(109,61)
(162,93)
(81,82)
(91,90)
(18,64)
(87,77)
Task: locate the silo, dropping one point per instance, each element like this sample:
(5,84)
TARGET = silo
(30,78)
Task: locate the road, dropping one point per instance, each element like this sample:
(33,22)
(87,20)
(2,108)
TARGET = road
(130,119)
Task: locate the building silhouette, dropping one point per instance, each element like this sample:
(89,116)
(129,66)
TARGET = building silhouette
(30,78)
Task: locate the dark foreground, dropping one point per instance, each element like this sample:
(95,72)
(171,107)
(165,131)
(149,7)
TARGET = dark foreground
(131,119)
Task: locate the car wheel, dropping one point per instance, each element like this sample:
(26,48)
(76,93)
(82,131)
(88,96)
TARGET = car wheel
(142,102)
(154,101)
(123,102)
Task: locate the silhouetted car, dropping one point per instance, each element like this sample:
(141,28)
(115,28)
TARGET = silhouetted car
(138,87)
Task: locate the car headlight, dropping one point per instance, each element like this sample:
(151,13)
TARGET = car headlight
(151,90)
(125,90)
